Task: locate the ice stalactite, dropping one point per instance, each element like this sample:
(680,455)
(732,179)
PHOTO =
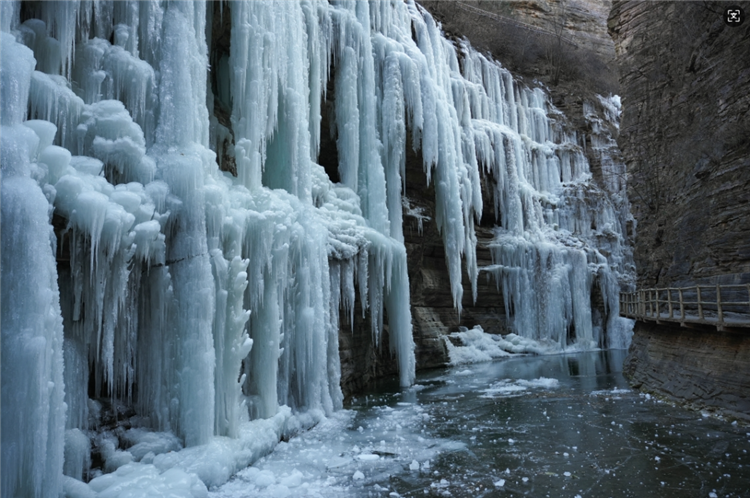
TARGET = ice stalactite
(33,421)
(277,83)
(209,302)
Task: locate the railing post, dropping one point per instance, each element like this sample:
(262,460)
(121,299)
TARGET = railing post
(625,304)
(682,306)
(642,303)
(669,302)
(639,303)
(650,304)
(700,303)
(718,305)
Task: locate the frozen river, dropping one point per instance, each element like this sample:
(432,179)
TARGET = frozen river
(544,426)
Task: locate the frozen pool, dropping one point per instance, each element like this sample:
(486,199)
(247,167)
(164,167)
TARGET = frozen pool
(557,426)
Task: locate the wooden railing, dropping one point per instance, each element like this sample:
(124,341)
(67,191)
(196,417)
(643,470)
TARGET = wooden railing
(721,306)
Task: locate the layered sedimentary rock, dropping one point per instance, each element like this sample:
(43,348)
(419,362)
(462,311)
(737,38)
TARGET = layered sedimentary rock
(684,76)
(703,369)
(561,40)
(684,79)
(556,36)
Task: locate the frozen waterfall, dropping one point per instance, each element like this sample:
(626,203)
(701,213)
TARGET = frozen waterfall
(173,253)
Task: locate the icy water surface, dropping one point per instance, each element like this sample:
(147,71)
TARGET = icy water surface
(549,426)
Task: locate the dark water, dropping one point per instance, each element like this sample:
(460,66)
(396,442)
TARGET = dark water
(551,426)
(612,441)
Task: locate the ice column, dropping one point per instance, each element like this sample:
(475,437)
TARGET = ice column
(33,420)
(182,160)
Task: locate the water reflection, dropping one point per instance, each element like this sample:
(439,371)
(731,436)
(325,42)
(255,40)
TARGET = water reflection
(544,426)
(587,435)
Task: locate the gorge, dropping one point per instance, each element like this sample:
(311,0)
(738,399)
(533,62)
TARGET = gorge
(221,219)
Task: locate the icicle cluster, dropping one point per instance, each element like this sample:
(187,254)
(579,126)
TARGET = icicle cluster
(207,300)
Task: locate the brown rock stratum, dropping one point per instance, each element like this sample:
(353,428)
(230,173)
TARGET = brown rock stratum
(685,135)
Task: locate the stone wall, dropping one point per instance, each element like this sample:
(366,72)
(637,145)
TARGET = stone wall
(703,368)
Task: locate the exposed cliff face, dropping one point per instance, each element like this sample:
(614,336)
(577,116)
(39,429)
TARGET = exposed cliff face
(704,370)
(684,80)
(553,41)
(566,36)
(684,77)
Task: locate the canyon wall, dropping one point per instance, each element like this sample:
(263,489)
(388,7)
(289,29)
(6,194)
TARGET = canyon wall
(684,135)
(563,45)
(684,76)
(706,370)
(552,41)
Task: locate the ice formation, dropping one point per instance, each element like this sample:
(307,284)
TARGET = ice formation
(208,302)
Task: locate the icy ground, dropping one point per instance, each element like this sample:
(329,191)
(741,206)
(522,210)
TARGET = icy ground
(553,426)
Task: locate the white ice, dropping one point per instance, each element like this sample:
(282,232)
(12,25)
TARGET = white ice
(210,303)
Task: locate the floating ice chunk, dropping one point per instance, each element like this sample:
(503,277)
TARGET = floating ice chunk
(358,476)
(499,483)
(414,465)
(541,382)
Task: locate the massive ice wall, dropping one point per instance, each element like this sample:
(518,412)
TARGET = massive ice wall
(33,418)
(204,300)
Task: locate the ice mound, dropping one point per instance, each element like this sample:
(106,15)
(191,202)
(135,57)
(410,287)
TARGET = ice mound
(479,346)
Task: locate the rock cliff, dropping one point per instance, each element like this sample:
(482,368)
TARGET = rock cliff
(684,80)
(701,369)
(552,41)
(684,76)
(565,47)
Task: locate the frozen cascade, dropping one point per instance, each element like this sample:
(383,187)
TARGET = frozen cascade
(209,303)
(32,329)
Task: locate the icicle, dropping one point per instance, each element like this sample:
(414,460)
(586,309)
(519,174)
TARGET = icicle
(168,255)
(33,422)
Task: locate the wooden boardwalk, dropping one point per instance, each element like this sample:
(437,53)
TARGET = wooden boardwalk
(725,307)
